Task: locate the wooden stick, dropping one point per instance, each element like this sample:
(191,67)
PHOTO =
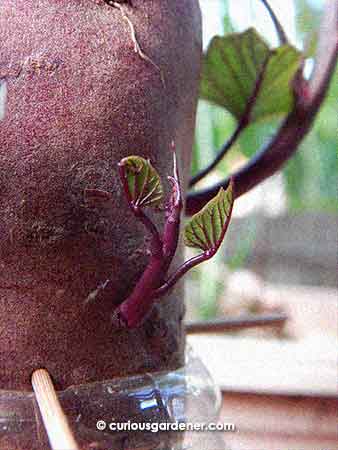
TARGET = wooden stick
(236,323)
(56,424)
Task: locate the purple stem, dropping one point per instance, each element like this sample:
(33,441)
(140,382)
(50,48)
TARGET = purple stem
(242,124)
(173,218)
(280,30)
(295,127)
(156,242)
(181,271)
(186,266)
(132,311)
(156,245)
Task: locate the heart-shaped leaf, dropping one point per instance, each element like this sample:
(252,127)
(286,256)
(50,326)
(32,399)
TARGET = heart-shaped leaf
(207,228)
(234,63)
(141,181)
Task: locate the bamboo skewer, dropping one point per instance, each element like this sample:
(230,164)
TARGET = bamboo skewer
(57,427)
(58,430)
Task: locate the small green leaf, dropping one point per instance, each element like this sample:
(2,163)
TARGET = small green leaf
(142,181)
(232,66)
(207,228)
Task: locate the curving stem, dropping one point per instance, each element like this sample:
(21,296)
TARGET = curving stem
(309,95)
(133,311)
(241,126)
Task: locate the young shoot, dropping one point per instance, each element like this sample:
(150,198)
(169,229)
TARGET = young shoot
(205,231)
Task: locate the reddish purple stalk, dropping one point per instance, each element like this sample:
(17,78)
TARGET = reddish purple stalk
(245,119)
(309,96)
(280,30)
(241,126)
(134,309)
(193,262)
(153,283)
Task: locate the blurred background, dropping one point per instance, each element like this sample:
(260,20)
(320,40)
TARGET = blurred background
(279,383)
(280,252)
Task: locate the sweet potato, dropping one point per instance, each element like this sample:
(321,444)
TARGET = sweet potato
(80,99)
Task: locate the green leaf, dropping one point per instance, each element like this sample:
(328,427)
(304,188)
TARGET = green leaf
(232,66)
(257,135)
(207,228)
(143,183)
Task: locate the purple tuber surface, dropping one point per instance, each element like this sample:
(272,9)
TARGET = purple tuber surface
(79,100)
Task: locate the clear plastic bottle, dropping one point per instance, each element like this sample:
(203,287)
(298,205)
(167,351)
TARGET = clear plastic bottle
(187,395)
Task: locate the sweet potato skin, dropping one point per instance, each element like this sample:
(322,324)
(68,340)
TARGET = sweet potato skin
(79,100)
